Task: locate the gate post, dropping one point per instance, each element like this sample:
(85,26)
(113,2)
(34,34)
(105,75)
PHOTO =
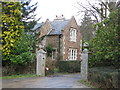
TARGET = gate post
(84,64)
(40,66)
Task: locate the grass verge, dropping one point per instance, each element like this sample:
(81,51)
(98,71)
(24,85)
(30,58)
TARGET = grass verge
(19,76)
(88,83)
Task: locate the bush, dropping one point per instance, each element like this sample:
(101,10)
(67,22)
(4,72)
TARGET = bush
(51,65)
(62,66)
(69,66)
(104,77)
(15,69)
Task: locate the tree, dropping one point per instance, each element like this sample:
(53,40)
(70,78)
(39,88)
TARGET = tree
(12,26)
(17,45)
(22,53)
(99,10)
(28,15)
(105,46)
(86,27)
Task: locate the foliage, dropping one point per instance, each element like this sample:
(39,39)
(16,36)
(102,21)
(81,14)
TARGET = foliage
(12,26)
(87,83)
(69,66)
(17,45)
(49,49)
(62,66)
(105,46)
(105,77)
(51,64)
(22,53)
(28,14)
(17,69)
(86,28)
(83,41)
(19,76)
(56,70)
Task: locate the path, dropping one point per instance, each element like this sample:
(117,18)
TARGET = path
(58,81)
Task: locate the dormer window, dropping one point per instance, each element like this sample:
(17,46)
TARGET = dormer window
(72,34)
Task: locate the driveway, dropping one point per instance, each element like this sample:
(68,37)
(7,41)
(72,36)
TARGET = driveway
(55,81)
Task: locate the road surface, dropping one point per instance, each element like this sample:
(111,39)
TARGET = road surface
(54,81)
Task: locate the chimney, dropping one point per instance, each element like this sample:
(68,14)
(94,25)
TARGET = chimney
(60,18)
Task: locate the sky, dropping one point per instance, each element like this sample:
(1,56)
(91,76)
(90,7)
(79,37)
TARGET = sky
(48,9)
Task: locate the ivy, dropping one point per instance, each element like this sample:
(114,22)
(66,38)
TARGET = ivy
(49,49)
(12,26)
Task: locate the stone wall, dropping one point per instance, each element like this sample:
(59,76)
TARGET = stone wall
(62,42)
(45,29)
(66,39)
(56,42)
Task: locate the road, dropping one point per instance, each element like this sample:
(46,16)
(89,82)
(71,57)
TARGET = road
(54,81)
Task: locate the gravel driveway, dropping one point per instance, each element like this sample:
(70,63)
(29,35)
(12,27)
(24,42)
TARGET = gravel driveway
(55,81)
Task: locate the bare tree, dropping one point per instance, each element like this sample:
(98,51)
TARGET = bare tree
(99,10)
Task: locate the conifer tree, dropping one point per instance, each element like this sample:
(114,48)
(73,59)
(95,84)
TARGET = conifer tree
(12,26)
(28,14)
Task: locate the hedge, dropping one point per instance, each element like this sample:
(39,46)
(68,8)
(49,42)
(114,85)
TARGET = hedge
(13,69)
(69,66)
(62,67)
(105,77)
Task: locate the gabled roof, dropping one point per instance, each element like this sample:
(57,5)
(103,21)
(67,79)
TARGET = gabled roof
(38,25)
(57,26)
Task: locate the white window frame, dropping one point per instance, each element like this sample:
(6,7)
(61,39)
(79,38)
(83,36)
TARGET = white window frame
(73,34)
(54,54)
(72,54)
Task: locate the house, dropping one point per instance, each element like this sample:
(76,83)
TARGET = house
(61,38)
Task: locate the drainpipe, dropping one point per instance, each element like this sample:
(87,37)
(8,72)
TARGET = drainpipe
(59,48)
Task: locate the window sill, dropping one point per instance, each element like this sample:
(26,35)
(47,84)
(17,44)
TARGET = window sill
(71,60)
(72,41)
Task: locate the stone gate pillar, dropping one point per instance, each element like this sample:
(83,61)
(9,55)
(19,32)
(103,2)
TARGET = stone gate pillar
(40,66)
(84,65)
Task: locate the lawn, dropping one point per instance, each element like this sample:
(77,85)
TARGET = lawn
(19,76)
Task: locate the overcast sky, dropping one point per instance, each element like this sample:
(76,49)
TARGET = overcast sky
(50,8)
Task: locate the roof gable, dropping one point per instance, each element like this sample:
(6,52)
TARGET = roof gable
(58,26)
(38,25)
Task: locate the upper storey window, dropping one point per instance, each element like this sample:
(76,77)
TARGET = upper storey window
(72,34)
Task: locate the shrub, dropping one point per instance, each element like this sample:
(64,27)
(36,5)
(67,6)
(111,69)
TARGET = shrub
(69,66)
(51,65)
(13,69)
(105,77)
(105,46)
(62,66)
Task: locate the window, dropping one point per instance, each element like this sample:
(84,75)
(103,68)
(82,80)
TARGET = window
(73,34)
(72,54)
(54,53)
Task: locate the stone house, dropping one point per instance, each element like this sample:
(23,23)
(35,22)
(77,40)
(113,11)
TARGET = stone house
(61,36)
